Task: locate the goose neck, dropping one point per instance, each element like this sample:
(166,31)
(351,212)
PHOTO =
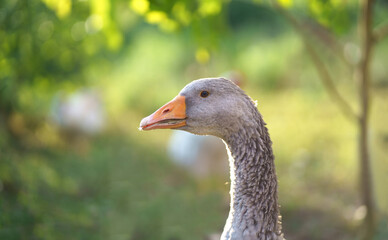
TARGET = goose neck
(254,211)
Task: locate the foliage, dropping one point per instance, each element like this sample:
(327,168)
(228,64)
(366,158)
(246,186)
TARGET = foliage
(57,184)
(333,14)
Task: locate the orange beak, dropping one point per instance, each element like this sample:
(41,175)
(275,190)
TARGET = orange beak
(171,115)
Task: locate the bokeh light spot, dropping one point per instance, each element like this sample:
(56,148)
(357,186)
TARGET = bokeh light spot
(45,30)
(208,8)
(78,31)
(93,24)
(155,17)
(202,55)
(285,3)
(139,6)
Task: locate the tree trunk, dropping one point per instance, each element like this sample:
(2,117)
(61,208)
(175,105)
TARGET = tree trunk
(364,74)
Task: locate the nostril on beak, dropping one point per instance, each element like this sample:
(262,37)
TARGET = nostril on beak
(166,110)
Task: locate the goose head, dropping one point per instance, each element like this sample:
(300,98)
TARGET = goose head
(211,106)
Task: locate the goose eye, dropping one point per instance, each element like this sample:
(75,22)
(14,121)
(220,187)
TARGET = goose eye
(204,94)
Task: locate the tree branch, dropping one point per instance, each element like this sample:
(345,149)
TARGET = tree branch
(323,72)
(329,83)
(380,32)
(326,37)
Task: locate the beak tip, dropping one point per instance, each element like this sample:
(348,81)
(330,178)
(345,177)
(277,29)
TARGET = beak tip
(173,110)
(143,123)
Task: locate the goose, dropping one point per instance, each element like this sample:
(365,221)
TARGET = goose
(218,107)
(202,156)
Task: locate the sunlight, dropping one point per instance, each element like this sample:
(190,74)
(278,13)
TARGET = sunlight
(61,7)
(139,6)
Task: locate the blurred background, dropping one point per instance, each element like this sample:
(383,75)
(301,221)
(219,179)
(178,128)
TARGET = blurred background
(77,76)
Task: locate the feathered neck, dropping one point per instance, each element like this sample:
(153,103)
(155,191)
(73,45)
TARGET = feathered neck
(254,212)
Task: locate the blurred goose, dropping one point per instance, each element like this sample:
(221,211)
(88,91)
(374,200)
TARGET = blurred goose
(218,107)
